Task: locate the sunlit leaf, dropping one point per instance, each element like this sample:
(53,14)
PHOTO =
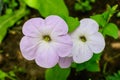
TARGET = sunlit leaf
(57,73)
(93,66)
(2,75)
(99,19)
(49,7)
(109,12)
(73,23)
(111,30)
(7,21)
(54,7)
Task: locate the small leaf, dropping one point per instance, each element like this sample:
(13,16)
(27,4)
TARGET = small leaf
(111,30)
(56,73)
(49,7)
(8,20)
(93,63)
(78,6)
(109,12)
(96,57)
(115,76)
(2,75)
(114,7)
(93,66)
(12,74)
(80,67)
(73,23)
(99,19)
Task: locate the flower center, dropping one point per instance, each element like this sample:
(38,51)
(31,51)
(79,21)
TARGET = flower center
(83,38)
(46,38)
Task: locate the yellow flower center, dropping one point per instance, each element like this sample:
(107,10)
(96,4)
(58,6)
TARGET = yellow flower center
(83,38)
(46,38)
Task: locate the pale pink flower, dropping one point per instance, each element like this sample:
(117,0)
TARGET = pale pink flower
(65,62)
(45,40)
(86,41)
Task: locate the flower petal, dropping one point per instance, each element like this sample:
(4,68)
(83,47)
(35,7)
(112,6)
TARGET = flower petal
(88,26)
(96,42)
(65,62)
(33,26)
(81,53)
(64,39)
(57,24)
(62,50)
(28,47)
(63,45)
(46,56)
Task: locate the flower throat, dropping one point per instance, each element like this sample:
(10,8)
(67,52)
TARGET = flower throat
(46,38)
(83,38)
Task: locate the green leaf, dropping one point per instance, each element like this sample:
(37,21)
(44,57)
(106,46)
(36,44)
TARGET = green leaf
(78,6)
(93,66)
(99,19)
(80,67)
(54,7)
(96,57)
(118,14)
(73,23)
(56,73)
(111,30)
(12,73)
(109,12)
(115,76)
(2,75)
(93,63)
(1,6)
(49,7)
(8,20)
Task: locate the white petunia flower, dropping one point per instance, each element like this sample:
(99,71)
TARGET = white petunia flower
(86,41)
(45,41)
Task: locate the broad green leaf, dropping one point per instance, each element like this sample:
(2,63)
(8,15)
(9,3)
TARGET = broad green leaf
(7,21)
(72,23)
(54,7)
(57,73)
(111,30)
(93,66)
(99,19)
(49,7)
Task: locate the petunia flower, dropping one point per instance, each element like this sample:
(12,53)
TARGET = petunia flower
(65,62)
(45,40)
(86,41)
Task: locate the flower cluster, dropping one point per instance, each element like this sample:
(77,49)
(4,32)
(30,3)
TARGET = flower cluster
(47,41)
